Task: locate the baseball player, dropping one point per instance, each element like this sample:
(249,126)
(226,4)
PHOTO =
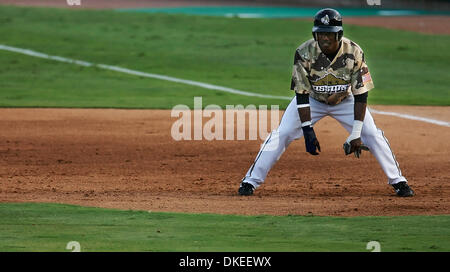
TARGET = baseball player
(330,78)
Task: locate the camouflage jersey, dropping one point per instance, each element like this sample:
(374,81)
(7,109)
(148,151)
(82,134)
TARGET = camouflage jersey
(328,81)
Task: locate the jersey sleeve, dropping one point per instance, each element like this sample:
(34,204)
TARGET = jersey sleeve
(300,82)
(361,80)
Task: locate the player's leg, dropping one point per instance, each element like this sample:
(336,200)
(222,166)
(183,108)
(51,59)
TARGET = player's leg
(373,138)
(275,145)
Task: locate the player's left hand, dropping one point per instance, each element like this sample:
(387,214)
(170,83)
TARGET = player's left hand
(354,146)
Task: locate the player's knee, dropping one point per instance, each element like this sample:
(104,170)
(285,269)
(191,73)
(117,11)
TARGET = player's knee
(285,133)
(369,131)
(369,136)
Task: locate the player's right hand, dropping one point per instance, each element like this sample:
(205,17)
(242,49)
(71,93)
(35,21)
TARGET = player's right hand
(355,146)
(311,142)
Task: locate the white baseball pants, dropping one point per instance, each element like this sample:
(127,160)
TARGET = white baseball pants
(290,129)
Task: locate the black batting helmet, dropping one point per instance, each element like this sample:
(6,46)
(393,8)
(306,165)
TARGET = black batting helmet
(328,20)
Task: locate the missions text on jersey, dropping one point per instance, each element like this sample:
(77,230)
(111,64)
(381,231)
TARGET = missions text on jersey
(314,74)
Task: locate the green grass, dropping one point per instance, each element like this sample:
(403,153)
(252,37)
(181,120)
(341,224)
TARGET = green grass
(49,227)
(247,54)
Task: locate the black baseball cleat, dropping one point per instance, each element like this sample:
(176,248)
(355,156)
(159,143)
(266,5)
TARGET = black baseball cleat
(246,189)
(402,189)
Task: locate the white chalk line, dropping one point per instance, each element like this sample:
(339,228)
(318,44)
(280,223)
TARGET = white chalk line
(412,117)
(193,83)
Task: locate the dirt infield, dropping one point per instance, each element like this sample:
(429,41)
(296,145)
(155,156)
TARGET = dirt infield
(127,159)
(422,24)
